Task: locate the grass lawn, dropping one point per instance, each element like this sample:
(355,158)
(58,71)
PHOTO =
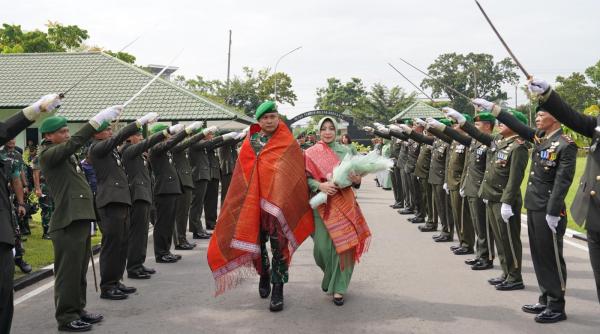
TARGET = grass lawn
(39,252)
(570,195)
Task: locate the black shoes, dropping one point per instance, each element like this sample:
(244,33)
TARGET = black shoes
(113,294)
(91,318)
(339,301)
(418,221)
(397,206)
(509,286)
(443,238)
(548,316)
(463,251)
(166,259)
(454,247)
(24,266)
(46,236)
(427,228)
(202,235)
(496,280)
(406,211)
(147,270)
(185,246)
(276,304)
(533,308)
(138,274)
(264,286)
(75,326)
(483,265)
(176,256)
(471,262)
(126,289)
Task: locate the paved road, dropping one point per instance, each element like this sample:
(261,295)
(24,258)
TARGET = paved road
(405,284)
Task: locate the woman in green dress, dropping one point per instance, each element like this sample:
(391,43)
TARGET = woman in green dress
(341,233)
(347,142)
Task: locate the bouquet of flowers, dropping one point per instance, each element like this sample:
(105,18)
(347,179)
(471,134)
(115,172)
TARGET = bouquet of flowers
(358,165)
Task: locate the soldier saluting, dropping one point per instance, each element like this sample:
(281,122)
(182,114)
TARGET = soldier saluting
(586,205)
(73,214)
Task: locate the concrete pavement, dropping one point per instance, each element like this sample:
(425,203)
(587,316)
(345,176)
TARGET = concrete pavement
(406,283)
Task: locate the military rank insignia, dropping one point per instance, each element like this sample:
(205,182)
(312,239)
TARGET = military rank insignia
(502,158)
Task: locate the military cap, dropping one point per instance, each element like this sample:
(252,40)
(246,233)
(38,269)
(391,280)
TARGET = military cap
(158,127)
(485,117)
(52,124)
(408,121)
(445,121)
(468,117)
(103,126)
(519,115)
(265,107)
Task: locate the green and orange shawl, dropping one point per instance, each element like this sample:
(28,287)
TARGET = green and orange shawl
(341,214)
(269,187)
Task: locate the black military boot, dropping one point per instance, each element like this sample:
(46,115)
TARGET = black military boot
(24,266)
(264,286)
(277,298)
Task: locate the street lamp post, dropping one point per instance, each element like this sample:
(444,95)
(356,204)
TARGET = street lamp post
(275,68)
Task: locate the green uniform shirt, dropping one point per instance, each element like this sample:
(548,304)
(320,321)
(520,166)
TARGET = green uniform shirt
(258,141)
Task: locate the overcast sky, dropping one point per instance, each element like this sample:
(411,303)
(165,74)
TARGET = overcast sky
(340,39)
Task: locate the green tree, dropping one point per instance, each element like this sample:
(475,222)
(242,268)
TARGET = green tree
(65,38)
(124,56)
(341,97)
(59,38)
(576,91)
(593,73)
(472,74)
(385,103)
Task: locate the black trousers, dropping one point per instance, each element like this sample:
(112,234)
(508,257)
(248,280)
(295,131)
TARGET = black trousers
(441,205)
(71,257)
(419,201)
(398,191)
(7,272)
(114,222)
(165,223)
(406,189)
(182,210)
(225,181)
(137,244)
(198,196)
(594,248)
(484,238)
(544,259)
(211,203)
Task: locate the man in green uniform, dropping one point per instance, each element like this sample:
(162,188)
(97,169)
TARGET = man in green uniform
(72,217)
(475,165)
(43,195)
(553,167)
(501,190)
(460,208)
(585,208)
(227,158)
(394,151)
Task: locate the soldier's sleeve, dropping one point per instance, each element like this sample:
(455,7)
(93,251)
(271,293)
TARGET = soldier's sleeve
(223,142)
(188,142)
(419,137)
(455,135)
(440,135)
(463,176)
(382,135)
(167,145)
(104,147)
(398,134)
(58,153)
(137,149)
(577,121)
(481,137)
(518,163)
(565,171)
(12,126)
(514,124)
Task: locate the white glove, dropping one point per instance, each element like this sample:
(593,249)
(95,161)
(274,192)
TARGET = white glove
(552,222)
(46,103)
(193,127)
(455,115)
(420,122)
(394,127)
(461,192)
(384,130)
(485,201)
(435,123)
(106,115)
(174,129)
(210,129)
(230,135)
(483,104)
(538,87)
(445,186)
(506,212)
(241,135)
(149,118)
(378,125)
(405,128)
(368,129)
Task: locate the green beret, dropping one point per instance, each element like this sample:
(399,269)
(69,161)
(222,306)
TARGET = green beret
(265,107)
(158,127)
(519,115)
(485,117)
(468,117)
(103,126)
(52,124)
(445,121)
(408,121)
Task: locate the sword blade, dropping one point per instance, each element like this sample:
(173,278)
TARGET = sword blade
(407,79)
(436,80)
(514,58)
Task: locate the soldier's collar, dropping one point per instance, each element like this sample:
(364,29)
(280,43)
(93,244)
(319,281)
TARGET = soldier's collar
(551,134)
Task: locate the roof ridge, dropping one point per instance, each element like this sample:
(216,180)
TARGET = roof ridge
(29,54)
